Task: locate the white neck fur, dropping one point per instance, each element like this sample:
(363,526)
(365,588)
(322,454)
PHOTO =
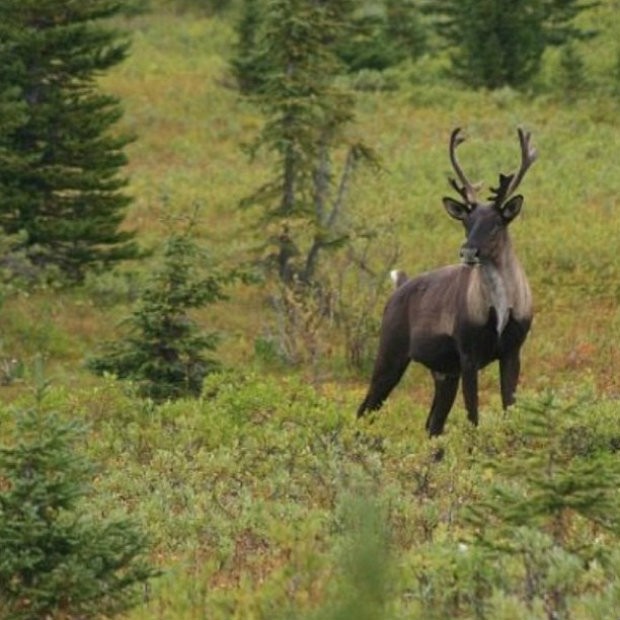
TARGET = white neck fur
(498,295)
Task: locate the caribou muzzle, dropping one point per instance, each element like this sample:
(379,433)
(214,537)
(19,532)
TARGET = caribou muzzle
(469,256)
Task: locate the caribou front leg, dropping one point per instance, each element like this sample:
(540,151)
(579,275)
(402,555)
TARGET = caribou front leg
(469,372)
(509,369)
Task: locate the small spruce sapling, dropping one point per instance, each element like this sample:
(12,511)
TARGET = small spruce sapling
(554,507)
(57,560)
(165,351)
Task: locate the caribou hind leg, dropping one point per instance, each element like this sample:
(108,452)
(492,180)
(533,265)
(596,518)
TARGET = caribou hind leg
(446,387)
(386,375)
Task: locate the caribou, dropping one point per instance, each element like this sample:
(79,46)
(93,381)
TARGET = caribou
(457,319)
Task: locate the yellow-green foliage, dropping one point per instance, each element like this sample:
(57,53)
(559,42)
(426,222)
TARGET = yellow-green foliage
(246,493)
(265,500)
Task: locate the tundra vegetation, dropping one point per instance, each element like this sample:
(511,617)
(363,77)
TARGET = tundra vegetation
(262,496)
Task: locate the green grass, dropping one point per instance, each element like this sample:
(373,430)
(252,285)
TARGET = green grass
(246,493)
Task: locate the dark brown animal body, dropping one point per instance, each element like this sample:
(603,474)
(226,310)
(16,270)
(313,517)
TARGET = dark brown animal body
(458,319)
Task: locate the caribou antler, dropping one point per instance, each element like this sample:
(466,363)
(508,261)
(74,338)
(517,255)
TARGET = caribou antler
(467,190)
(509,183)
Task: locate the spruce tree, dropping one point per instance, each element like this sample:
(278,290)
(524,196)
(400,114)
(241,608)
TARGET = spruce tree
(553,510)
(499,43)
(382,38)
(60,159)
(249,65)
(56,559)
(309,236)
(164,351)
(306,113)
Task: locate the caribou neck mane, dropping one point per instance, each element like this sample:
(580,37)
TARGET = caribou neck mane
(506,286)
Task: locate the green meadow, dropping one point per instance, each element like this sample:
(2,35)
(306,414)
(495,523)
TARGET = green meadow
(265,498)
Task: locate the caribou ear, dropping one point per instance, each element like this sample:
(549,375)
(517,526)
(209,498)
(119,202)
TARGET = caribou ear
(455,209)
(512,208)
